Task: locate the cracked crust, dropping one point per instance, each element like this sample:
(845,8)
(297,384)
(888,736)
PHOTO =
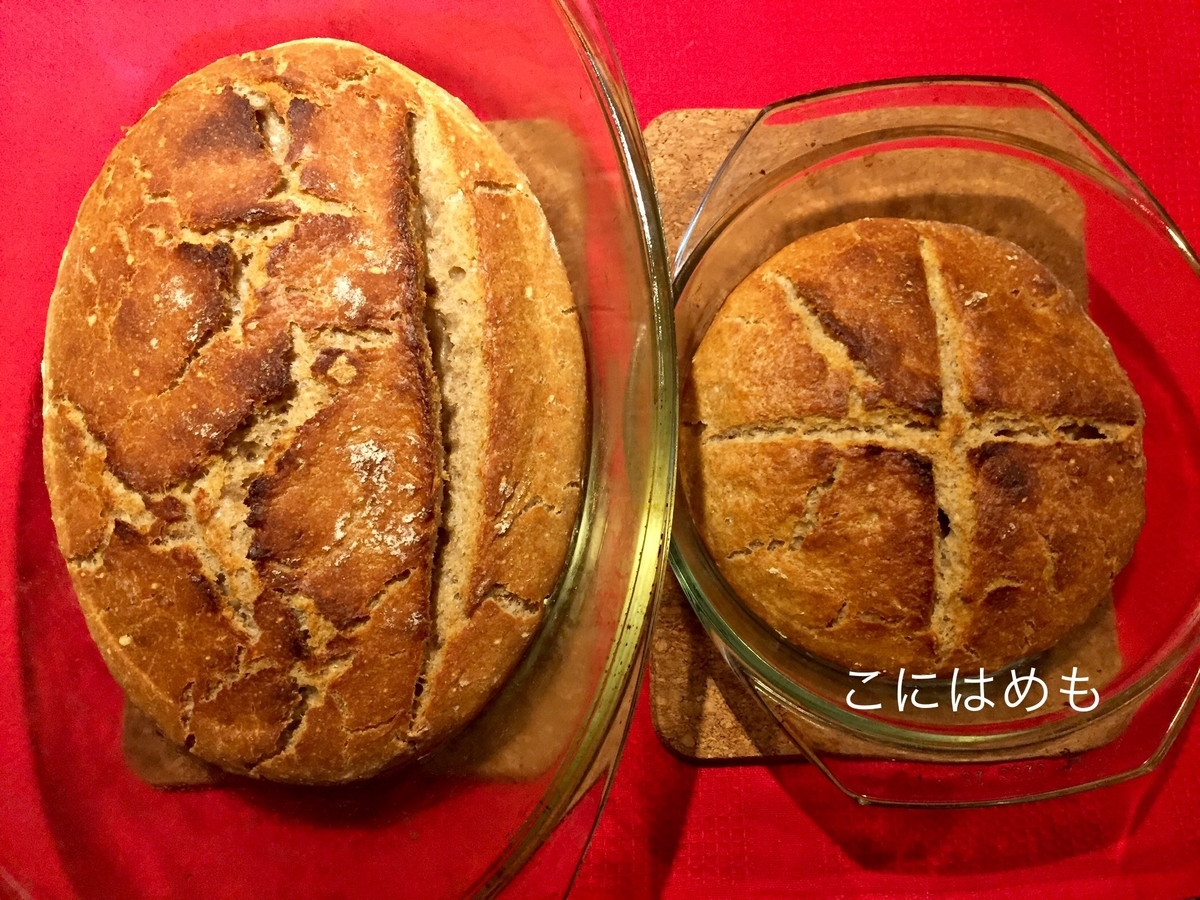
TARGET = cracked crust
(960,450)
(297,365)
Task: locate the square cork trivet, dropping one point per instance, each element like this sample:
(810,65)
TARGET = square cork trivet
(701,710)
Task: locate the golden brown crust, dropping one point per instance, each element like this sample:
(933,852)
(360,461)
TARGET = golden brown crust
(510,357)
(244,444)
(865,285)
(531,477)
(842,558)
(1026,342)
(782,375)
(75,468)
(1053,521)
(973,497)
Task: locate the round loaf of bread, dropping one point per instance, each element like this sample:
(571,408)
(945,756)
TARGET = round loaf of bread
(315,413)
(908,445)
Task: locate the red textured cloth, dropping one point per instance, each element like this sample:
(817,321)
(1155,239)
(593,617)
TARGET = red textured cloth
(678,831)
(671,829)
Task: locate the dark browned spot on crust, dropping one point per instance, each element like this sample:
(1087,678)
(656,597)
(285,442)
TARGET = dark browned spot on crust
(217,260)
(922,469)
(1002,597)
(168,508)
(265,213)
(232,125)
(281,638)
(300,115)
(1004,467)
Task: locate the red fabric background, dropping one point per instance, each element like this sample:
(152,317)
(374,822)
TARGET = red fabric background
(671,829)
(674,830)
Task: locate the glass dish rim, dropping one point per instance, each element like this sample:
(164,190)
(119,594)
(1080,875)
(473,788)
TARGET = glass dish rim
(692,248)
(622,667)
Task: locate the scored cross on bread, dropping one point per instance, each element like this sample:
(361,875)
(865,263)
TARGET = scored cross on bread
(907,445)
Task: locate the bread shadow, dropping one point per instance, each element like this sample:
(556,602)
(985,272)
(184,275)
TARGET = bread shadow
(384,800)
(381,800)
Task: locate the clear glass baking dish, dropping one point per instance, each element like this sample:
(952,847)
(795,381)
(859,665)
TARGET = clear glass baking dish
(533,771)
(1008,158)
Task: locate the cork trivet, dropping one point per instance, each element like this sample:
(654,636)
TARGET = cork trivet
(522,734)
(701,710)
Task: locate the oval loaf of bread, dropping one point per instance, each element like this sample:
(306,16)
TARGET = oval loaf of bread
(315,413)
(908,445)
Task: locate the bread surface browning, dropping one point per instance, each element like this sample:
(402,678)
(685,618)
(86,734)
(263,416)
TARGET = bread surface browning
(907,445)
(298,364)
